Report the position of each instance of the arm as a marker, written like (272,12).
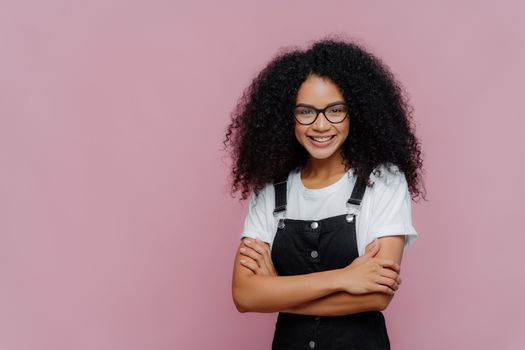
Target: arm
(256,290)
(266,293)
(391,214)
(341,303)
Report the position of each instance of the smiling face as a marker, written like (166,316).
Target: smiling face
(322,139)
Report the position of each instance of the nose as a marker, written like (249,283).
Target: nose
(321,123)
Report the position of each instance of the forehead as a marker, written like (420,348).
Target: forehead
(318,91)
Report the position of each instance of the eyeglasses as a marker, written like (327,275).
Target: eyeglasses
(335,113)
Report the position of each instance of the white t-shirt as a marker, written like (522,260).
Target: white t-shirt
(385,208)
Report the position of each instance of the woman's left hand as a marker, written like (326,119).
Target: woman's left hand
(260,261)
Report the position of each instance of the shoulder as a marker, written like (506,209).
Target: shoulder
(265,196)
(261,196)
(388,181)
(390,210)
(388,175)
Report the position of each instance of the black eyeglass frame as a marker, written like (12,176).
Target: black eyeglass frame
(323,110)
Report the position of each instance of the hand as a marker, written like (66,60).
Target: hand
(259,257)
(367,274)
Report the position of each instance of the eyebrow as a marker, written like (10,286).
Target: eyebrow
(328,105)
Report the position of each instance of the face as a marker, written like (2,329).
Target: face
(321,139)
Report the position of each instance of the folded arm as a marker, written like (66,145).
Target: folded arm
(342,303)
(266,293)
(254,288)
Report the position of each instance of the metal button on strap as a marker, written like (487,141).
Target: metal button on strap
(314,225)
(314,254)
(281,224)
(350,217)
(311,344)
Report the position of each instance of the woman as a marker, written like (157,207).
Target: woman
(323,141)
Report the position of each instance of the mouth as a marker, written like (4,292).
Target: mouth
(322,139)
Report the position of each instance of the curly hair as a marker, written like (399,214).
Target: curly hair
(261,138)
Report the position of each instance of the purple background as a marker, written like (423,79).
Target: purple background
(116,227)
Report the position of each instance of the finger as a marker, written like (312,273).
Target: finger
(260,252)
(261,248)
(386,272)
(248,241)
(266,256)
(391,283)
(373,248)
(267,261)
(255,245)
(250,264)
(391,264)
(250,253)
(265,246)
(397,278)
(382,289)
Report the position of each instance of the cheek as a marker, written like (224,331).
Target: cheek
(299,133)
(345,130)
(347,127)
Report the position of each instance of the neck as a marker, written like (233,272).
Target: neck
(324,168)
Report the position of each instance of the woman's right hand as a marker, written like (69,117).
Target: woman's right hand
(367,274)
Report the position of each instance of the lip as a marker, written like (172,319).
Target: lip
(321,144)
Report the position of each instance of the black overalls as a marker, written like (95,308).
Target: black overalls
(305,246)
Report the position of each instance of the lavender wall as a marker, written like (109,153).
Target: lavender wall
(116,227)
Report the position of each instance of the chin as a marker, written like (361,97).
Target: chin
(321,155)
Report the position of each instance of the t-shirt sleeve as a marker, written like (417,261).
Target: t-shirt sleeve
(256,223)
(391,210)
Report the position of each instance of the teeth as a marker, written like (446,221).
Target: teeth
(322,139)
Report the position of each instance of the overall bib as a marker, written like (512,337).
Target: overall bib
(305,246)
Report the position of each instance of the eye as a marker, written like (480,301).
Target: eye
(303,111)
(337,109)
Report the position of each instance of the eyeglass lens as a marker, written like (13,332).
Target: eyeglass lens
(334,114)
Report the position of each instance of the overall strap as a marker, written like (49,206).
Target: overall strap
(355,200)
(357,193)
(280,195)
(281,189)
